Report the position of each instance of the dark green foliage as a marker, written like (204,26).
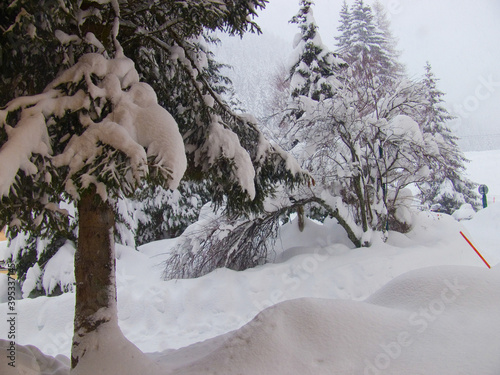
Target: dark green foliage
(177,62)
(315,65)
(168,43)
(166,40)
(31,54)
(26,258)
(164,213)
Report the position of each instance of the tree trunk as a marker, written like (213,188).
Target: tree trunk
(301,217)
(94,270)
(358,190)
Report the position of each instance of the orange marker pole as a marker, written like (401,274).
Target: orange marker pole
(477,252)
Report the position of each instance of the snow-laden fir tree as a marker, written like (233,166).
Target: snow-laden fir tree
(363,45)
(125,229)
(95,132)
(89,134)
(344,27)
(313,73)
(447,185)
(313,76)
(174,66)
(389,41)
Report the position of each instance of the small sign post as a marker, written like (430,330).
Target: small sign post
(483,189)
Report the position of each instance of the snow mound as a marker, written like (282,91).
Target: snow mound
(29,360)
(465,212)
(109,352)
(436,320)
(444,315)
(313,239)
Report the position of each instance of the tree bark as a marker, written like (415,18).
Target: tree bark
(358,189)
(301,217)
(94,270)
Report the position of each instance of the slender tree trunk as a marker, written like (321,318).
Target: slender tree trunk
(301,216)
(94,270)
(358,189)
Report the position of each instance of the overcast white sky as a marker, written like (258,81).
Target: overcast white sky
(460,38)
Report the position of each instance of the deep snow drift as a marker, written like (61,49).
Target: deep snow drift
(327,316)
(421,303)
(431,321)
(437,320)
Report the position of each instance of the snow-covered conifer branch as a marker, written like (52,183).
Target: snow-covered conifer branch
(223,142)
(113,110)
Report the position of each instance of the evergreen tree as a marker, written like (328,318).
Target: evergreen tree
(176,60)
(344,28)
(96,132)
(447,185)
(313,74)
(390,41)
(313,77)
(363,46)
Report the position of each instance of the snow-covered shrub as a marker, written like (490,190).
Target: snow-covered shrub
(465,212)
(220,240)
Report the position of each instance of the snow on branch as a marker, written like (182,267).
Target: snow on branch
(226,145)
(113,109)
(222,142)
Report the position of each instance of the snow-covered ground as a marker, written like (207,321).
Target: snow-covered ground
(421,303)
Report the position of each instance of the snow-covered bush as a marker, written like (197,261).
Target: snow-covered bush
(364,131)
(465,212)
(219,240)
